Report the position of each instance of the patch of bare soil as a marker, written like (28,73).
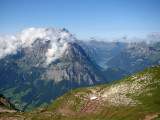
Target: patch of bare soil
(91,107)
(11,118)
(151,117)
(65,112)
(7,111)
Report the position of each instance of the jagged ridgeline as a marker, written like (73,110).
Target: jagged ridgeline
(133,98)
(47,64)
(137,56)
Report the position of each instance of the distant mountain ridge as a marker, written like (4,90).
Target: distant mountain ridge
(128,56)
(101,50)
(136,57)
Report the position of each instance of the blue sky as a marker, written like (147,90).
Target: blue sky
(84,18)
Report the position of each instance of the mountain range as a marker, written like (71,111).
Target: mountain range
(28,82)
(39,67)
(131,57)
(136,57)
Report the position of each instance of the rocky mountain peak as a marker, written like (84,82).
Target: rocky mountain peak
(49,29)
(27,74)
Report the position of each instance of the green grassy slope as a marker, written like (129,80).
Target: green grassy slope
(133,98)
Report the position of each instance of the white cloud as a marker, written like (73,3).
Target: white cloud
(124,38)
(59,42)
(8,45)
(153,37)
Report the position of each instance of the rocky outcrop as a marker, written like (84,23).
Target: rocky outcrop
(5,105)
